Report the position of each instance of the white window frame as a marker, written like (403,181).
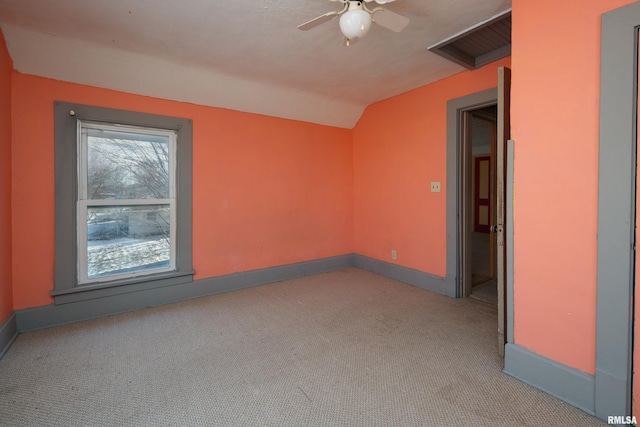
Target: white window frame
(84,202)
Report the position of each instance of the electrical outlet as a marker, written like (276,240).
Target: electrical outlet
(393,254)
(435,187)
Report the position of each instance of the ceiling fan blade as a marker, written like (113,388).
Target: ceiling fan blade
(380,1)
(389,20)
(319,20)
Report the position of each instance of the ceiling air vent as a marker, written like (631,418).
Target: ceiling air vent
(480,44)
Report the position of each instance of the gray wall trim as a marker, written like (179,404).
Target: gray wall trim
(616,211)
(509,236)
(52,315)
(127,287)
(567,384)
(65,128)
(454,203)
(407,275)
(8,333)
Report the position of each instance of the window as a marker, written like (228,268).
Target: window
(123,201)
(126,201)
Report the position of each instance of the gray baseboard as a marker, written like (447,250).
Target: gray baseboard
(407,275)
(8,333)
(575,387)
(53,315)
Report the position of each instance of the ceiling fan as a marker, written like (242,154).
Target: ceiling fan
(356,18)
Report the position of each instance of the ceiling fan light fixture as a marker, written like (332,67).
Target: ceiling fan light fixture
(355,23)
(356,19)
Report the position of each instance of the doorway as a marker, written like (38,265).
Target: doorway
(481,145)
(458,229)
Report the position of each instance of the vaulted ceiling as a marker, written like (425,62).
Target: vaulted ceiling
(245,55)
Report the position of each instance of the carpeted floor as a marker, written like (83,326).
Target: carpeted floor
(347,348)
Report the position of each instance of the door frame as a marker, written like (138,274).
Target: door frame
(455,195)
(454,220)
(467,209)
(616,211)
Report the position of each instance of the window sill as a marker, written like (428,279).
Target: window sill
(124,286)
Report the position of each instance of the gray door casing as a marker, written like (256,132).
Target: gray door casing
(616,211)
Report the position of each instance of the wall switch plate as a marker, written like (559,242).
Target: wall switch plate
(435,187)
(393,254)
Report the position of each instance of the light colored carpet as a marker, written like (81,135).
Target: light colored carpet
(347,348)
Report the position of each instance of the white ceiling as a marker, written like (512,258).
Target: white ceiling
(245,55)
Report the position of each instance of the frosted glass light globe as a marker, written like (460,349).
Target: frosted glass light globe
(355,23)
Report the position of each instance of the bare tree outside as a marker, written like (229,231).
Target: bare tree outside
(127,169)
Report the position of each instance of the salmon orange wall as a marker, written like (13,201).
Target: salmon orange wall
(555,116)
(266,191)
(399,148)
(6,67)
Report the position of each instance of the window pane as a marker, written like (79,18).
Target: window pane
(127,239)
(127,165)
